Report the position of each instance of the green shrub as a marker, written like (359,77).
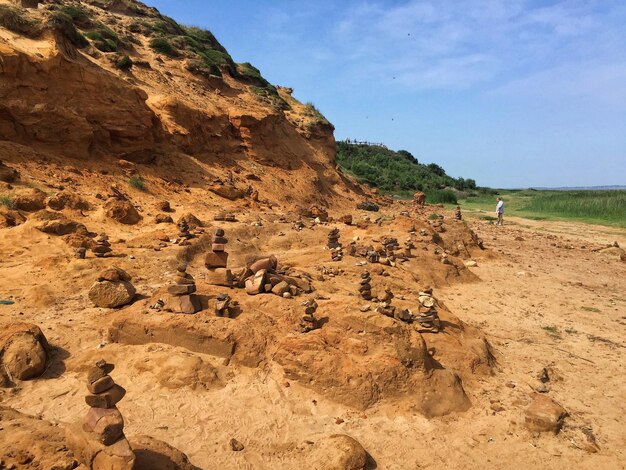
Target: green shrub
(104,38)
(124,63)
(6,201)
(438,196)
(16,20)
(64,24)
(200,67)
(137,182)
(163,46)
(78,15)
(433,216)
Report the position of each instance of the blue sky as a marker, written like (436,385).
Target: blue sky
(512,93)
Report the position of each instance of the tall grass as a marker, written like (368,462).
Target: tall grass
(440,196)
(594,205)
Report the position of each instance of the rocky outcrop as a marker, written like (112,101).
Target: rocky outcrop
(73,108)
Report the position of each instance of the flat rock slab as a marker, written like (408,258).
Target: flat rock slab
(544,415)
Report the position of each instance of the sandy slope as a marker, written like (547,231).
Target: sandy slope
(525,286)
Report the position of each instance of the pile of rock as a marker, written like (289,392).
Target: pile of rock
(112,288)
(408,246)
(216,261)
(333,239)
(224,305)
(261,275)
(183,298)
(365,286)
(385,306)
(183,232)
(103,247)
(309,322)
(428,317)
(100,442)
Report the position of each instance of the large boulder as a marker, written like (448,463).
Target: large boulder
(153,454)
(544,415)
(23,350)
(112,289)
(122,211)
(338,452)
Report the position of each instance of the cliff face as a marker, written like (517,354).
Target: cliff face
(98,81)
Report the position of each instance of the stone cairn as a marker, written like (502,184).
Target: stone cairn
(336,250)
(224,306)
(309,322)
(408,246)
(365,286)
(101,442)
(103,247)
(80,252)
(428,317)
(457,213)
(183,298)
(216,261)
(385,307)
(183,231)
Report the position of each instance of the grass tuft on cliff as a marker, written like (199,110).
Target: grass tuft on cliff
(17,20)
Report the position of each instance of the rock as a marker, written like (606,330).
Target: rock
(256,264)
(235,445)
(281,288)
(97,456)
(188,304)
(219,277)
(29,200)
(67,200)
(191,220)
(106,423)
(228,192)
(121,211)
(181,289)
(544,415)
(216,259)
(62,227)
(114,274)
(368,206)
(163,219)
(419,198)
(101,385)
(107,399)
(346,219)
(164,206)
(10,218)
(8,174)
(256,283)
(338,452)
(107,294)
(471,264)
(23,350)
(319,213)
(153,454)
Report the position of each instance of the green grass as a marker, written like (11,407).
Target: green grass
(597,207)
(16,20)
(138,183)
(124,63)
(7,202)
(104,38)
(164,46)
(438,196)
(553,331)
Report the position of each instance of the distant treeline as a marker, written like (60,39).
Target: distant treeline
(399,172)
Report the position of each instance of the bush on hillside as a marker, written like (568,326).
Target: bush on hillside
(64,24)
(163,46)
(16,20)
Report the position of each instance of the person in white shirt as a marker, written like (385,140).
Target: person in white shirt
(499,210)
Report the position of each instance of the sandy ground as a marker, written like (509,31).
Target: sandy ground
(543,301)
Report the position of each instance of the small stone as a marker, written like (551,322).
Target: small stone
(106,399)
(545,415)
(101,385)
(235,445)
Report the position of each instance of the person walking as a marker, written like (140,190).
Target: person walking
(499,210)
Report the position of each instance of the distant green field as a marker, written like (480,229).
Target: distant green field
(598,207)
